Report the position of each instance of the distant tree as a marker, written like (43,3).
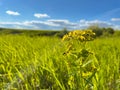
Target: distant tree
(110,30)
(96,29)
(62,33)
(101,31)
(1,29)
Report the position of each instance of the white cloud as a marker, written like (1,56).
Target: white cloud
(12,13)
(116,27)
(85,23)
(64,23)
(29,23)
(115,19)
(51,24)
(39,15)
(58,24)
(58,20)
(82,21)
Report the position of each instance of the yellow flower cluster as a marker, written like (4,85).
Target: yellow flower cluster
(81,35)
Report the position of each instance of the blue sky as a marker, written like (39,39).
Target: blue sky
(59,14)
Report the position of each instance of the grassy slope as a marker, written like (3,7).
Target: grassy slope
(5,31)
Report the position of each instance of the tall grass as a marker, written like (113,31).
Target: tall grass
(39,63)
(107,52)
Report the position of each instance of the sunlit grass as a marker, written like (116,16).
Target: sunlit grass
(39,63)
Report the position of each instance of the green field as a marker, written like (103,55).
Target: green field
(35,63)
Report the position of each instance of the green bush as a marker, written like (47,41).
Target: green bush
(102,31)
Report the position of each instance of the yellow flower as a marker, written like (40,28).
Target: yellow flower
(65,37)
(80,35)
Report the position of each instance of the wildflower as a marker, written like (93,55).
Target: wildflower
(79,35)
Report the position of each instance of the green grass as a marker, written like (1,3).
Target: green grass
(34,63)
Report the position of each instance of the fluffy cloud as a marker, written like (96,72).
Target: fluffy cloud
(63,23)
(58,24)
(85,23)
(39,15)
(13,25)
(40,24)
(51,24)
(12,13)
(115,19)
(116,27)
(30,24)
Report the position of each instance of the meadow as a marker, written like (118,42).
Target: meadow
(46,62)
